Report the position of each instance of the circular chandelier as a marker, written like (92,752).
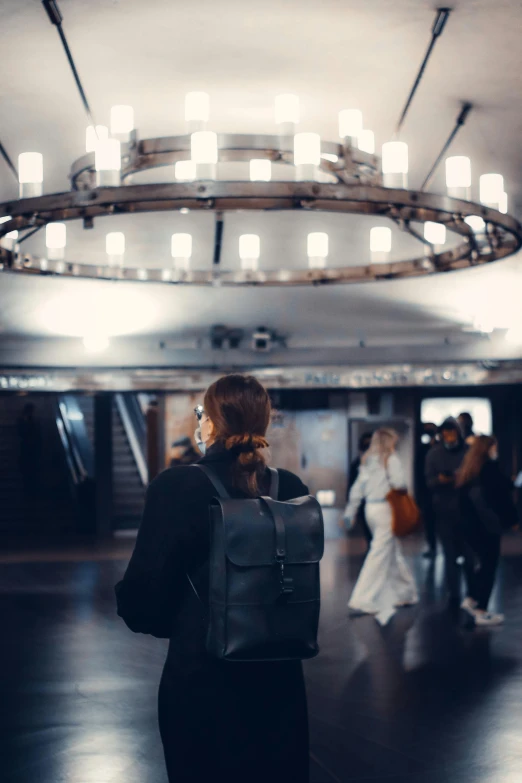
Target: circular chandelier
(344,177)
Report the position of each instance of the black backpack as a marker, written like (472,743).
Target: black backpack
(264,596)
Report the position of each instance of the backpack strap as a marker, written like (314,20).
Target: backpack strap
(274,484)
(218,484)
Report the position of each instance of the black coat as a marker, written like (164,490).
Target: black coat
(497,495)
(218,720)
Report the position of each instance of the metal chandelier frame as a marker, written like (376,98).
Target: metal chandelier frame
(356,188)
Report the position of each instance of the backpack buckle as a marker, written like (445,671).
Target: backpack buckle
(287,583)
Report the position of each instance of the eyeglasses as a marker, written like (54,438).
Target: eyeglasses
(199,411)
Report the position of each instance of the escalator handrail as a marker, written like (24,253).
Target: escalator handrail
(133,438)
(82,472)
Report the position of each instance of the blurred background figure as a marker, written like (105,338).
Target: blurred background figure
(360,519)
(465,422)
(30,454)
(385,581)
(183,452)
(442,462)
(487,511)
(427,441)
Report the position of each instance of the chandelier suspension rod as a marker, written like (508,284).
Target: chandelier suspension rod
(56,18)
(218,239)
(461,119)
(5,156)
(438,27)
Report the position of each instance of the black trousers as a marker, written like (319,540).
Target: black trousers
(430,527)
(450,534)
(235,723)
(482,556)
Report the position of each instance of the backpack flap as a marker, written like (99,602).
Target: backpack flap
(303,531)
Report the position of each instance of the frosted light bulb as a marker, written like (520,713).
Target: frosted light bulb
(30,174)
(435,233)
(317,249)
(395,164)
(307,155)
(55,240)
(181,251)
(185,170)
(491,189)
(260,170)
(380,243)
(115,248)
(249,251)
(204,153)
(107,161)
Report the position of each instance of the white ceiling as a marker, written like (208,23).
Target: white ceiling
(334,54)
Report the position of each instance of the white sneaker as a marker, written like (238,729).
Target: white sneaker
(487,618)
(469,605)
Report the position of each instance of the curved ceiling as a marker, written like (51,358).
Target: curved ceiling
(334,55)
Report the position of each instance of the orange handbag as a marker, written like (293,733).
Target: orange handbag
(405,512)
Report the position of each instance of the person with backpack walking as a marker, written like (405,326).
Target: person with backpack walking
(487,511)
(231,578)
(385,581)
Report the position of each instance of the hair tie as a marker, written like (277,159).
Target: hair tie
(246,442)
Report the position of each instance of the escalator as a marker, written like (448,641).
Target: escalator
(129,448)
(55,494)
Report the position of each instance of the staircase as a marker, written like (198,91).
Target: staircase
(128,489)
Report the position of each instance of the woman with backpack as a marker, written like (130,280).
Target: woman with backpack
(385,581)
(487,510)
(219,719)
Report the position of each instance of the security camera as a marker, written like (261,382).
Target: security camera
(235,337)
(262,340)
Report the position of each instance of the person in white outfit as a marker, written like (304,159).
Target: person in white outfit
(385,581)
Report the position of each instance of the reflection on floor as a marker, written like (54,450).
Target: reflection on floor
(419,700)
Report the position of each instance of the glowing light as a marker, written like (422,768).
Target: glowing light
(55,240)
(503,204)
(435,233)
(380,243)
(260,170)
(30,174)
(181,249)
(185,170)
(107,161)
(307,149)
(249,251)
(395,164)
(317,249)
(203,147)
(476,223)
(458,172)
(491,188)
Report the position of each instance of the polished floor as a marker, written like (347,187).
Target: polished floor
(421,699)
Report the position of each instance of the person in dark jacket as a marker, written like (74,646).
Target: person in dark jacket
(364,445)
(442,463)
(487,510)
(219,721)
(423,493)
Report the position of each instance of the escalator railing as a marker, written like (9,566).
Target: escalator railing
(134,423)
